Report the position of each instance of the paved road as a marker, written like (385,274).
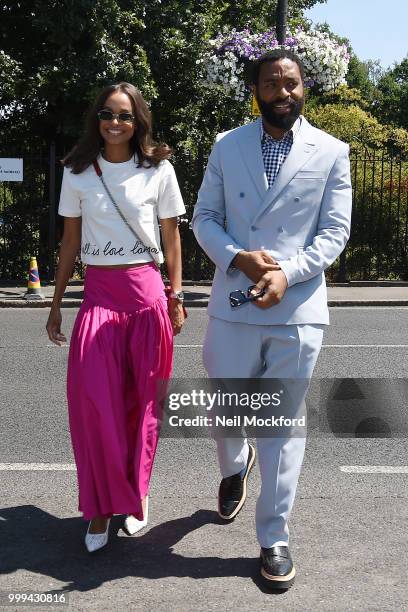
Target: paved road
(348,531)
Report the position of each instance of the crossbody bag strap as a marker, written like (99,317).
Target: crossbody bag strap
(120,213)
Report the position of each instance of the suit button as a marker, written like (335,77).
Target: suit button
(297,199)
(253,228)
(241,195)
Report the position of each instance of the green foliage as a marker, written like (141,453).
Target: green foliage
(186,114)
(346,96)
(65,52)
(10,71)
(58,53)
(349,123)
(378,246)
(393,88)
(363,77)
(344,114)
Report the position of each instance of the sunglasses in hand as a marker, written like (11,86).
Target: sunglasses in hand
(238,297)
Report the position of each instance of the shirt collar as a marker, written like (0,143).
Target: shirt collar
(294,130)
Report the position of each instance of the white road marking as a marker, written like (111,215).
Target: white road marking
(374,469)
(70,467)
(188,346)
(65,345)
(37,467)
(323,346)
(385,307)
(365,346)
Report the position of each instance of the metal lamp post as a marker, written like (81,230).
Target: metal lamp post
(281,20)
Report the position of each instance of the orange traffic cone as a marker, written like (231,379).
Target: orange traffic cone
(34,285)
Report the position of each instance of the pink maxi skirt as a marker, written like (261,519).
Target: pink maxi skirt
(121,348)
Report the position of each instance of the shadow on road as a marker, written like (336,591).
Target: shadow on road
(36,541)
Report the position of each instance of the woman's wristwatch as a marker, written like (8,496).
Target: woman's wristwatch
(177,295)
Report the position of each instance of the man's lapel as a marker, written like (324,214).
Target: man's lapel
(303,148)
(251,152)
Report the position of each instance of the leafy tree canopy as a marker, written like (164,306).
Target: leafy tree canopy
(393,102)
(358,127)
(57,53)
(60,53)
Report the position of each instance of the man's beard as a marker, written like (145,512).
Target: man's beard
(285,121)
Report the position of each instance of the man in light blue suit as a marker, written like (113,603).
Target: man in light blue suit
(273,210)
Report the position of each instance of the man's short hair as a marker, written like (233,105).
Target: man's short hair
(273,56)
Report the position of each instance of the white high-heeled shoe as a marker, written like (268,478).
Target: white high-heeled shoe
(132,525)
(95,541)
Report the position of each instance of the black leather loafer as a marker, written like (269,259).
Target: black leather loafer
(277,568)
(233,490)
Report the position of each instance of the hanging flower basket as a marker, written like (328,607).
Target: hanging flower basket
(223,65)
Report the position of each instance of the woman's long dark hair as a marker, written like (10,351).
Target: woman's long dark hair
(91,142)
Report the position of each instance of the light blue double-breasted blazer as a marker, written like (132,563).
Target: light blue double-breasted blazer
(303,220)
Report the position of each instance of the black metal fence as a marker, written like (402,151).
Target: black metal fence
(378,246)
(28,216)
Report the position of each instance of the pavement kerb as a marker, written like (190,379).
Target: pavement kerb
(358,293)
(69,303)
(348,303)
(196,303)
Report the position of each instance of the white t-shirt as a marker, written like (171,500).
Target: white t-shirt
(144,195)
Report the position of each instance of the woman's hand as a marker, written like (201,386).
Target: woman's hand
(53,326)
(172,250)
(71,242)
(176,315)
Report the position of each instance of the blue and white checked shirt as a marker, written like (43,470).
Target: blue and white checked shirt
(274,152)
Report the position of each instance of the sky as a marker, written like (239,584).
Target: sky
(377,29)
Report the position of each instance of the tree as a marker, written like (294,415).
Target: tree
(65,51)
(363,77)
(393,103)
(58,53)
(186,113)
(351,124)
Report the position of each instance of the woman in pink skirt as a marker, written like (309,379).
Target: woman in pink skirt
(117,185)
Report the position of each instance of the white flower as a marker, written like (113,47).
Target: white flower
(325,61)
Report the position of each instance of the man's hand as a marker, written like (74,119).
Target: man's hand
(275,285)
(254,264)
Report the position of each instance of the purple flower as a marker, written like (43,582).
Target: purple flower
(325,60)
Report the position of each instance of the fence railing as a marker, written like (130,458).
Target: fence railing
(28,217)
(377,249)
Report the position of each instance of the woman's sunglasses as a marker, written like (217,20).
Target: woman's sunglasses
(107,115)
